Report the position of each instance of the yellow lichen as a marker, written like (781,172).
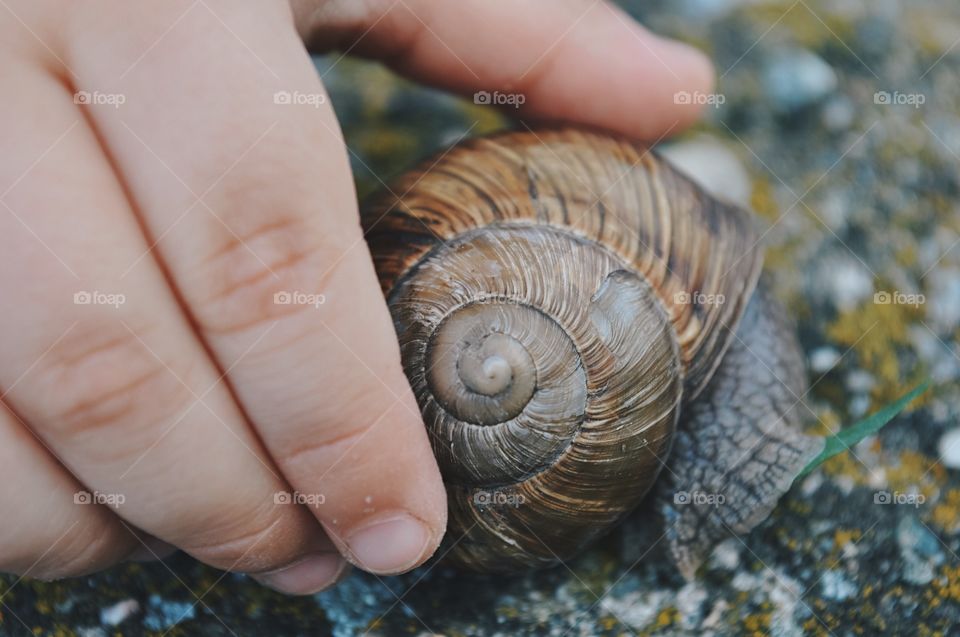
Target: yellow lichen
(667,617)
(874,331)
(843,537)
(947,584)
(757,624)
(946,514)
(609,623)
(763,200)
(916,473)
(845,464)
(801,24)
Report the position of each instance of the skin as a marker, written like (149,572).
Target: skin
(186,409)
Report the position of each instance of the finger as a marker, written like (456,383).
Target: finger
(577,60)
(115,380)
(51,530)
(321,380)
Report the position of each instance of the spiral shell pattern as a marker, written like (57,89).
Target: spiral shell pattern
(540,286)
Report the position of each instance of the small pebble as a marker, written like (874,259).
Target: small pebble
(163,615)
(116,614)
(920,551)
(848,281)
(943,299)
(712,165)
(690,600)
(838,114)
(795,78)
(726,555)
(949,449)
(835,586)
(823,359)
(811,484)
(835,209)
(859,406)
(716,614)
(859,381)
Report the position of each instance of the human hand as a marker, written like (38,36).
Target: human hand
(192,327)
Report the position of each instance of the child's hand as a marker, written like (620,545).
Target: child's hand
(191,325)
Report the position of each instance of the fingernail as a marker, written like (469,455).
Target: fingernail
(389,544)
(309,575)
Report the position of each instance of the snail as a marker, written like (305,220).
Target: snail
(582,325)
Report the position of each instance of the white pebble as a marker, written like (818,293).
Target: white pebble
(712,165)
(949,448)
(726,555)
(859,381)
(794,78)
(116,614)
(823,359)
(836,586)
(849,282)
(943,299)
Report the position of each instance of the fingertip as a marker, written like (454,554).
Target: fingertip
(696,74)
(391,543)
(672,83)
(310,574)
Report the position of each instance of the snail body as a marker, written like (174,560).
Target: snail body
(563,299)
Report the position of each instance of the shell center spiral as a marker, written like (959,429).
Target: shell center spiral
(479,373)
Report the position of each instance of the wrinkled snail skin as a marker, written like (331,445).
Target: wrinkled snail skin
(740,445)
(545,288)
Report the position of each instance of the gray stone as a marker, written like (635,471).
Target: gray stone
(713,165)
(823,359)
(943,299)
(920,551)
(836,586)
(117,613)
(794,78)
(949,448)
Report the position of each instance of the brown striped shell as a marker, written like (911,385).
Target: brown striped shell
(540,285)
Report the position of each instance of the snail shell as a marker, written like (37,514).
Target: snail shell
(544,287)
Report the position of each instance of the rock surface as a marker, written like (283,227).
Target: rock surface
(852,174)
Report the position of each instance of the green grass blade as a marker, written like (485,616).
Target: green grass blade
(855,433)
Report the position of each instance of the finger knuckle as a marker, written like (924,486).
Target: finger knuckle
(99,379)
(257,269)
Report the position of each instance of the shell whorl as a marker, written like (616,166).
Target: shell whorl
(539,285)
